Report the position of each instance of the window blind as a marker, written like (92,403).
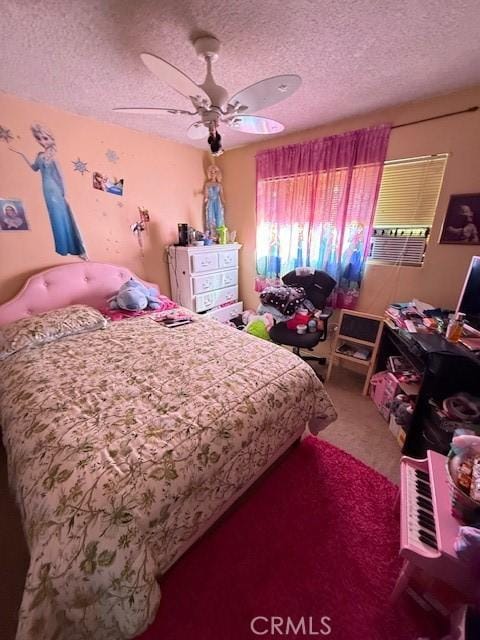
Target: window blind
(409,191)
(405,209)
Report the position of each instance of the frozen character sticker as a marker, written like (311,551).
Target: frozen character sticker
(109,185)
(66,234)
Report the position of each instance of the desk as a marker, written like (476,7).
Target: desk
(446,369)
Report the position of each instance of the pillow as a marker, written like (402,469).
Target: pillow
(47,327)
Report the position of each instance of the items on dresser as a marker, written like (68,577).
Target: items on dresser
(183,234)
(205,279)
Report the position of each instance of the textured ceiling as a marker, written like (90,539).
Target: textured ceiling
(355,56)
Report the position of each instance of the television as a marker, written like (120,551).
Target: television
(469,302)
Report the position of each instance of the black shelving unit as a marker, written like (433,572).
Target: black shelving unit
(445,368)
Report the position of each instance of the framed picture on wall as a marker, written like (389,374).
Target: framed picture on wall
(12,216)
(462,220)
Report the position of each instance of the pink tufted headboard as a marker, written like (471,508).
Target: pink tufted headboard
(74,283)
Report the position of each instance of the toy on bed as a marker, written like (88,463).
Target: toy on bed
(134,299)
(135,296)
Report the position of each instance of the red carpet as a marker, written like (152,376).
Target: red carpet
(317,537)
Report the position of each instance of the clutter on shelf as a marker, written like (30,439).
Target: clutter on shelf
(394,393)
(460,410)
(354,351)
(420,317)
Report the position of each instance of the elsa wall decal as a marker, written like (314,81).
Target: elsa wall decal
(64,228)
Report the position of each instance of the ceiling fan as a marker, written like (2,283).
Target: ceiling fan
(210,101)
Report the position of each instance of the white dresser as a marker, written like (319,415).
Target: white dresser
(205,279)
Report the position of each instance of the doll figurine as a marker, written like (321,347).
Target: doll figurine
(213,198)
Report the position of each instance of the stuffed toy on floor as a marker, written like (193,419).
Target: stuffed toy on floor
(258,325)
(135,296)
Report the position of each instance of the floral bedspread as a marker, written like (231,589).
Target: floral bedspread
(121,442)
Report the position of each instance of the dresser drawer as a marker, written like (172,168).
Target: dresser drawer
(225,314)
(227,259)
(204,262)
(206,301)
(201,284)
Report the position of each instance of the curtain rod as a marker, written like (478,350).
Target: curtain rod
(444,115)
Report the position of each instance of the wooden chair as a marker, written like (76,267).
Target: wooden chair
(357,329)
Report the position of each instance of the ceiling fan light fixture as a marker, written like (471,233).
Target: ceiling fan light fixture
(210,101)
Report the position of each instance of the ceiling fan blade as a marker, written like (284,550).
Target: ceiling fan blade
(266,93)
(173,77)
(197,131)
(255,124)
(153,111)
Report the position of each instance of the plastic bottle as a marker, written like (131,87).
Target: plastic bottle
(455,328)
(222,233)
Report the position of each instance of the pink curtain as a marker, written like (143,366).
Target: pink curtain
(315,206)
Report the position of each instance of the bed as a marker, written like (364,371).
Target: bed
(126,442)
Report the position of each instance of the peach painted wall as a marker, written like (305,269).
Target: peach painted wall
(439,280)
(165,177)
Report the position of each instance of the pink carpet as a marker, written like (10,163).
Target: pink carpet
(317,537)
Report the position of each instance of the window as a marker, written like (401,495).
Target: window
(405,209)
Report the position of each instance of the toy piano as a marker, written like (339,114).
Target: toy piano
(428,530)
